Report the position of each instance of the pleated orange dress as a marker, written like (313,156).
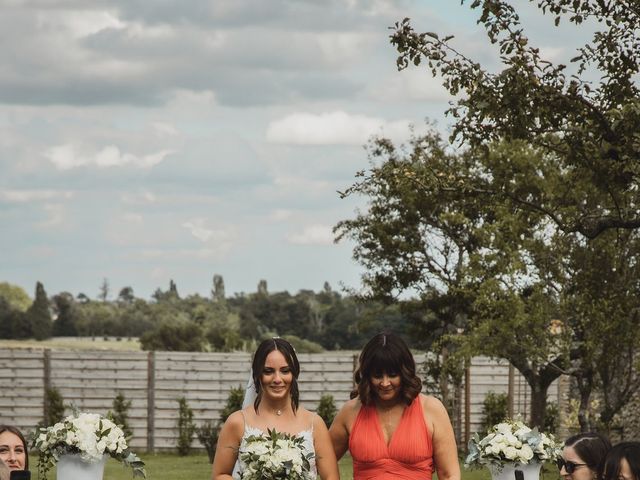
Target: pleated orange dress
(409,455)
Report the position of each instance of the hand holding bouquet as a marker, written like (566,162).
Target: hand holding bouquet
(274,455)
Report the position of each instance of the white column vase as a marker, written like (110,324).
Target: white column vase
(73,467)
(530,471)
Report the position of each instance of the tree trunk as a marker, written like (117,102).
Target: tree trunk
(585,386)
(538,405)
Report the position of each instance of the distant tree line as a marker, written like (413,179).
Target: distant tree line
(312,321)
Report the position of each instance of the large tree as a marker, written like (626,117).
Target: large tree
(586,117)
(476,265)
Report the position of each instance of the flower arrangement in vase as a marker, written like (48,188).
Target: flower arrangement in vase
(514,445)
(88,436)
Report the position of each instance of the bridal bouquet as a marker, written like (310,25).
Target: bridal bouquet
(88,434)
(511,442)
(274,455)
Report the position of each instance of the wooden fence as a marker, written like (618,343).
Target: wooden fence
(153,382)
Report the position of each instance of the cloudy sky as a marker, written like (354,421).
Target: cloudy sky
(143,141)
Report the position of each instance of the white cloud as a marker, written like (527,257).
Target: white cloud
(25,196)
(312,235)
(411,85)
(198,230)
(205,253)
(79,23)
(131,217)
(280,215)
(55,215)
(220,237)
(66,157)
(163,129)
(141,198)
(331,128)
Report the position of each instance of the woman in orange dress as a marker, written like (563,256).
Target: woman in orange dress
(391,429)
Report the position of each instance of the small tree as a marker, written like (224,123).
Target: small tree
(208,432)
(53,407)
(207,435)
(495,409)
(234,403)
(39,316)
(186,427)
(327,409)
(120,414)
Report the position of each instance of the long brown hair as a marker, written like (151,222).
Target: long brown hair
(386,353)
(257,366)
(18,433)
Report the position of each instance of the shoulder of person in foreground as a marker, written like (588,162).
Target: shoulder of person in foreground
(227,447)
(339,430)
(5,473)
(326,462)
(445,451)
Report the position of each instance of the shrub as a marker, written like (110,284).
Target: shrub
(551,418)
(327,409)
(234,403)
(120,414)
(207,435)
(186,427)
(208,432)
(54,407)
(495,409)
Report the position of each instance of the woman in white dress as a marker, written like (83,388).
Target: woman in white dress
(275,371)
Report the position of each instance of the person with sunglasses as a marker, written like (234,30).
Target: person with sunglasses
(582,456)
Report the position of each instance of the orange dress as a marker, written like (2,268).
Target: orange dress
(409,455)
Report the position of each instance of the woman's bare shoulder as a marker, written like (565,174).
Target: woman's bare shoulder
(431,404)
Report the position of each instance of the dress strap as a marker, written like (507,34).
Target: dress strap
(313,417)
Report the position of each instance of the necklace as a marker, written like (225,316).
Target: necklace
(278,412)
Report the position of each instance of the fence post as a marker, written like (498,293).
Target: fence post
(46,378)
(151,399)
(467,403)
(510,388)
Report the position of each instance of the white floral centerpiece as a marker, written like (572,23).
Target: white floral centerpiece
(89,435)
(274,455)
(511,442)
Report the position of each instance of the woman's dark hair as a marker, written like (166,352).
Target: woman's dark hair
(18,433)
(386,353)
(591,447)
(610,468)
(259,359)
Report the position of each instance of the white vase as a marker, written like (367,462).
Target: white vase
(73,467)
(530,471)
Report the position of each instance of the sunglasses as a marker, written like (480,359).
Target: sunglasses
(570,467)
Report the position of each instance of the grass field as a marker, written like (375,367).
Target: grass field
(75,343)
(166,466)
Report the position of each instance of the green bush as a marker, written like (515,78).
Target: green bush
(54,407)
(120,414)
(234,403)
(551,418)
(495,409)
(327,409)
(208,432)
(207,435)
(186,427)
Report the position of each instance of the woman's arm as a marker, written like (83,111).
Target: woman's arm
(445,451)
(227,447)
(325,456)
(339,430)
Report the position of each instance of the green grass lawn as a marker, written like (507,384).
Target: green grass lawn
(76,343)
(166,466)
